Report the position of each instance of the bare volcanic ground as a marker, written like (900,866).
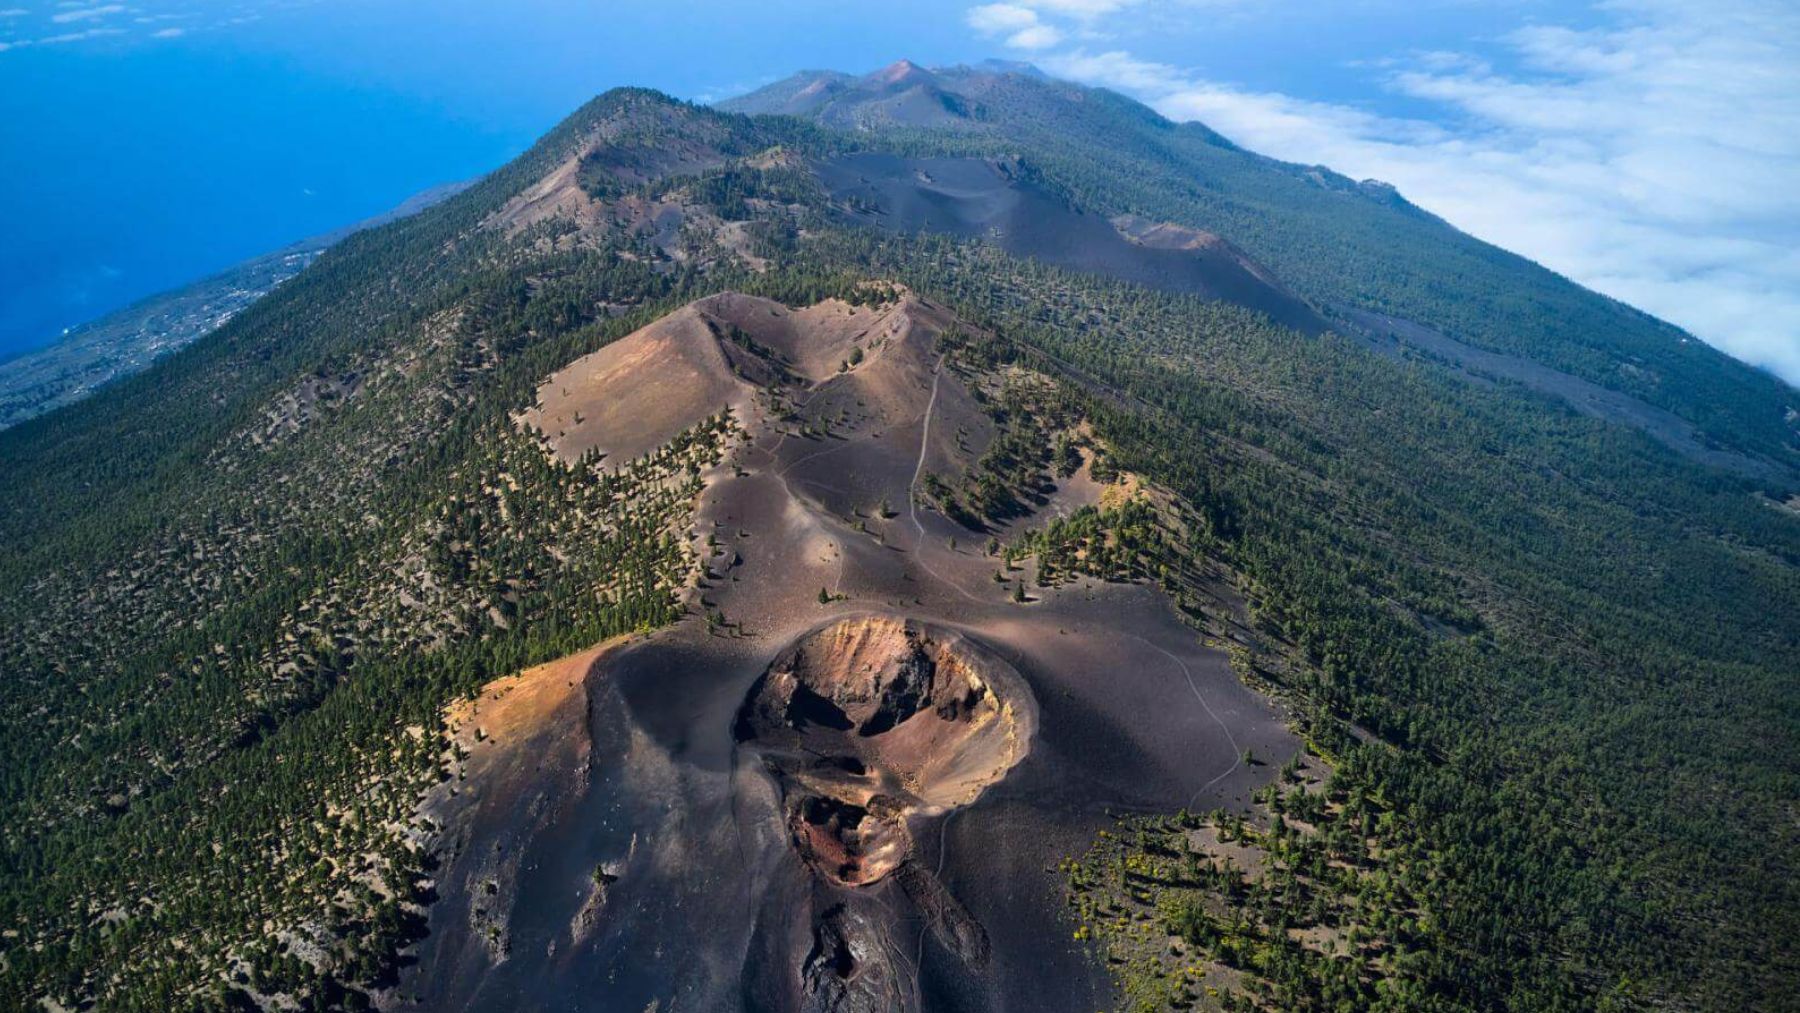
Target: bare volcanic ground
(637,393)
(1398,339)
(849,805)
(999,201)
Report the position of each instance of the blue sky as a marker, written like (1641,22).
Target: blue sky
(1647,148)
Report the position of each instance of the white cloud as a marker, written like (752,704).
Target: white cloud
(91,33)
(1018,23)
(1653,159)
(1093,19)
(995,19)
(86,13)
(1082,8)
(1035,37)
(168,33)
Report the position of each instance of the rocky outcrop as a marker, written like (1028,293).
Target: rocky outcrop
(872,720)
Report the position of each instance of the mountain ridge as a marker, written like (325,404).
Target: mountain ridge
(1221,205)
(1351,670)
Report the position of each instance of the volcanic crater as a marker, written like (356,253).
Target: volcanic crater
(872,720)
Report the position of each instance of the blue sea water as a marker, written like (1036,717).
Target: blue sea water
(178,137)
(127,170)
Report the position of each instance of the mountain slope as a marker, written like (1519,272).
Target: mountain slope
(1338,242)
(126,341)
(1000,201)
(389,689)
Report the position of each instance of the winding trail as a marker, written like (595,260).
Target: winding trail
(912,487)
(791,465)
(1188,674)
(912,503)
(912,490)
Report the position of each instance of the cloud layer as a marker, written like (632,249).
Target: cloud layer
(1017,23)
(67,21)
(1655,158)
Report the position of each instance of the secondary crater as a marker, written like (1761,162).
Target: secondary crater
(874,719)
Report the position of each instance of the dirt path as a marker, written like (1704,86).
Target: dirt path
(912,487)
(1188,674)
(912,492)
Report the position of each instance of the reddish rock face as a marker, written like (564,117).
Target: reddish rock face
(872,720)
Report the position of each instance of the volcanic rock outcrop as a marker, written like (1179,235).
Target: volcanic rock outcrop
(875,719)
